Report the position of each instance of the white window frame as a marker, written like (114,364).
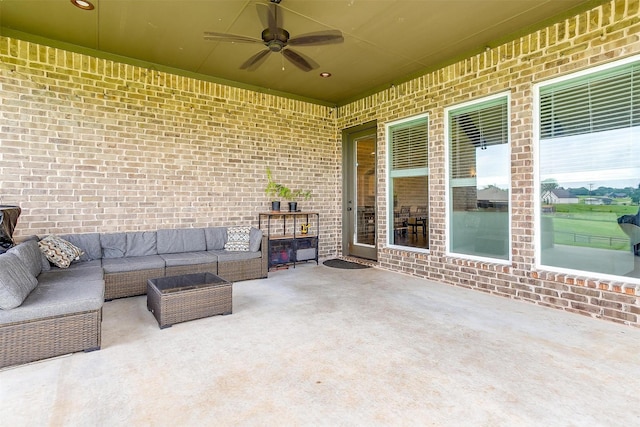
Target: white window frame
(536,173)
(390,176)
(447,154)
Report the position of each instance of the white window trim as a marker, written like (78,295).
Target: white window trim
(507,95)
(537,232)
(389,196)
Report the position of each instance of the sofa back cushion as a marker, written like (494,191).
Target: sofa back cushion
(255,239)
(30,254)
(46,265)
(180,240)
(88,242)
(16,282)
(141,243)
(114,245)
(216,237)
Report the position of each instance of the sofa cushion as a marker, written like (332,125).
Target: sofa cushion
(255,239)
(136,263)
(141,243)
(16,282)
(216,237)
(46,265)
(238,238)
(226,256)
(88,242)
(189,258)
(114,245)
(29,253)
(82,271)
(181,240)
(57,295)
(59,251)
(44,262)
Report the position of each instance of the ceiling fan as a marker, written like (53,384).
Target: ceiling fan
(276,39)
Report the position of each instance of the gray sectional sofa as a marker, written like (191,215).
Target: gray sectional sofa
(47,311)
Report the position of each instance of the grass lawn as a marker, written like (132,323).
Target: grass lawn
(594,226)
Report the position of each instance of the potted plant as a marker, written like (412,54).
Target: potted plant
(274,190)
(293,196)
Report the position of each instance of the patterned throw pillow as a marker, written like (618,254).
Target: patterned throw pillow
(59,251)
(238,238)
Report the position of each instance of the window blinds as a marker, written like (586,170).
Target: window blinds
(409,144)
(599,102)
(476,126)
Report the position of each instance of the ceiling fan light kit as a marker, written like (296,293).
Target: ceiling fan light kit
(276,39)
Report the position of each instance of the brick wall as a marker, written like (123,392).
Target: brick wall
(93,145)
(605,33)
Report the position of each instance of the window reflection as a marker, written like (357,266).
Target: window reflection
(590,190)
(479,179)
(411,220)
(409,182)
(365,191)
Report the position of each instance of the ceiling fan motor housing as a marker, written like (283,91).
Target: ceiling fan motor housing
(276,39)
(275,42)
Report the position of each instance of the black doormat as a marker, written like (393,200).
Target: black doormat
(340,263)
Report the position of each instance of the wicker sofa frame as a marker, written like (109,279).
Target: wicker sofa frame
(133,283)
(28,341)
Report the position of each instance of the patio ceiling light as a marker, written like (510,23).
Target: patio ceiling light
(83,4)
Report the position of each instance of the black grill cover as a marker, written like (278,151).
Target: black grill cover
(8,219)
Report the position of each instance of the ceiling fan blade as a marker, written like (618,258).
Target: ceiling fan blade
(222,37)
(254,62)
(322,37)
(300,61)
(269,16)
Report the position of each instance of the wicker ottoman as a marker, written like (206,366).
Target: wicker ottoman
(176,299)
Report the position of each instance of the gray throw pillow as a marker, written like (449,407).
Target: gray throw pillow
(16,282)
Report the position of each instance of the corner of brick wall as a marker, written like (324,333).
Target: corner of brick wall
(605,33)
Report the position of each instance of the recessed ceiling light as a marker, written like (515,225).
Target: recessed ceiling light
(83,4)
(325,74)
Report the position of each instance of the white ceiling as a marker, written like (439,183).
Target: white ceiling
(385,41)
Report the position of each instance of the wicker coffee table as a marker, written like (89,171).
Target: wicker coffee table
(176,299)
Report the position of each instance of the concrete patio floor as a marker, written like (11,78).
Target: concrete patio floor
(321,346)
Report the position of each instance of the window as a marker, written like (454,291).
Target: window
(589,171)
(479,178)
(408,206)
